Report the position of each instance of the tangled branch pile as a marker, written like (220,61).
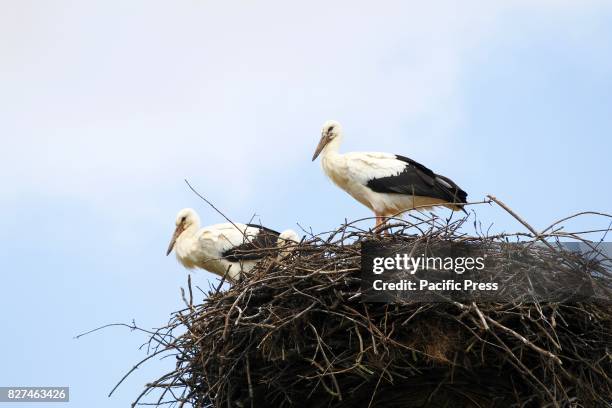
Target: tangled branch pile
(294,333)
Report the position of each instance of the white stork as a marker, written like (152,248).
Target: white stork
(287,243)
(388,184)
(219,248)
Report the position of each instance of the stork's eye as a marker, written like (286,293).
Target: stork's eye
(183,219)
(330,129)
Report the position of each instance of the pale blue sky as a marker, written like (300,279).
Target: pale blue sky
(105,106)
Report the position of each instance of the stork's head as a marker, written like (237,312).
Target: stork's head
(185,219)
(287,243)
(287,237)
(331,131)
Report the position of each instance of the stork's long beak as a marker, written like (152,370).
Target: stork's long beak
(179,229)
(324,141)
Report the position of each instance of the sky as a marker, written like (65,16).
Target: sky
(107,106)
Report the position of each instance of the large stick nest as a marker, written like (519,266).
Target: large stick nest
(294,332)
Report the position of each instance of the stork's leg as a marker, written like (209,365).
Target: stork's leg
(380,221)
(383,221)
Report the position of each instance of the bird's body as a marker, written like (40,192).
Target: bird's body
(215,248)
(229,248)
(386,183)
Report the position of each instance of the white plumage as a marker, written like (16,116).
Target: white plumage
(219,248)
(287,242)
(386,183)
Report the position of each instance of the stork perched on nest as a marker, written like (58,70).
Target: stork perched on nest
(286,243)
(386,183)
(221,248)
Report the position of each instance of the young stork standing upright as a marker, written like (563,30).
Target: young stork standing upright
(388,184)
(220,248)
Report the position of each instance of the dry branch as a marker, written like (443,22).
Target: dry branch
(293,332)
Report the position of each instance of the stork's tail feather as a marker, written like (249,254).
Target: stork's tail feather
(457,196)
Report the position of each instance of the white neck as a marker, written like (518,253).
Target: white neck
(189,232)
(333,147)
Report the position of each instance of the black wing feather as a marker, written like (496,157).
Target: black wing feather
(419,180)
(266,238)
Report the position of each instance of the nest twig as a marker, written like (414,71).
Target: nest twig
(294,332)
